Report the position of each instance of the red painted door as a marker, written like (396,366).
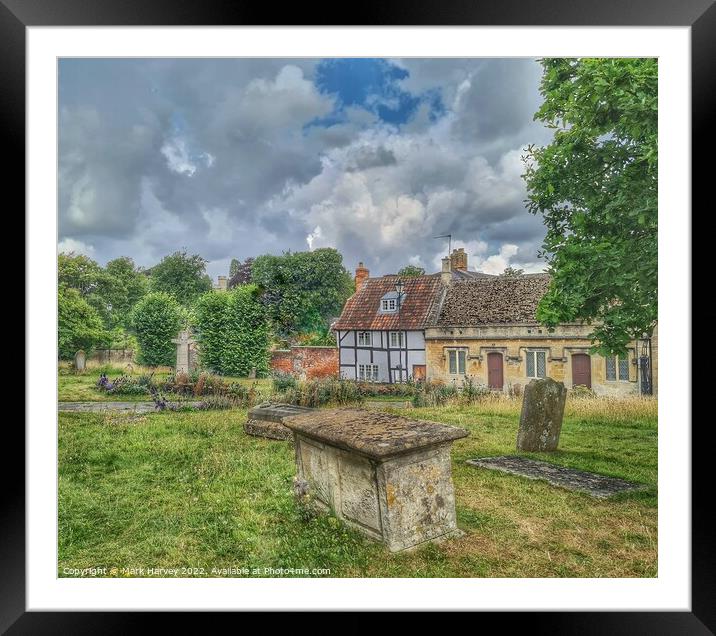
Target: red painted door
(494,370)
(581,370)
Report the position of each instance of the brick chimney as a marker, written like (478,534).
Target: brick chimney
(362,274)
(458,259)
(446,274)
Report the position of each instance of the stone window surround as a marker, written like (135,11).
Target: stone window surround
(446,355)
(547,358)
(631,361)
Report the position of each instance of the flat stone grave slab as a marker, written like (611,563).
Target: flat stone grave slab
(388,476)
(593,484)
(266,420)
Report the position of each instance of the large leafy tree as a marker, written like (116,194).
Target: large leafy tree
(595,186)
(122,286)
(79,324)
(302,289)
(181,275)
(240,272)
(111,290)
(79,272)
(234,266)
(411,270)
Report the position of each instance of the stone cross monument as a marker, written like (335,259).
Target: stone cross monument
(183,341)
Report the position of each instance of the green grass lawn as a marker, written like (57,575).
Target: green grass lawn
(180,490)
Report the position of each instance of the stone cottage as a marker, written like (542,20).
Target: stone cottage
(473,325)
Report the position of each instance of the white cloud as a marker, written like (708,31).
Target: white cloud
(314,236)
(68,245)
(264,107)
(415,260)
(177,155)
(497,263)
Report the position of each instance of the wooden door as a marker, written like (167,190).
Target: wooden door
(581,370)
(418,372)
(494,370)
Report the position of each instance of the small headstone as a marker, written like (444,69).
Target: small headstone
(183,341)
(541,417)
(80,360)
(252,373)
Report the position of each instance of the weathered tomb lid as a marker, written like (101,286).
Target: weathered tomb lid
(371,433)
(276,412)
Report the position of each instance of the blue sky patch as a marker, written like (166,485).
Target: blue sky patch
(372,84)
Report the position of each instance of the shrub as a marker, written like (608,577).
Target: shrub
(233,332)
(226,401)
(123,385)
(205,384)
(283,381)
(432,393)
(79,325)
(314,393)
(156,320)
(399,389)
(581,391)
(210,321)
(471,391)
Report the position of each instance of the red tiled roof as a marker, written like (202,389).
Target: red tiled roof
(362,310)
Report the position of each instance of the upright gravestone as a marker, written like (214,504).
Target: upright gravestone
(80,360)
(541,417)
(183,341)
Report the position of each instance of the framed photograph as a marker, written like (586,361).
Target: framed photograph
(358,317)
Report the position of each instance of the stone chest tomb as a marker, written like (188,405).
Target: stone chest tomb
(266,420)
(388,476)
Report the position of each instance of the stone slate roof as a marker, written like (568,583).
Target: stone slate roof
(418,308)
(465,274)
(491,300)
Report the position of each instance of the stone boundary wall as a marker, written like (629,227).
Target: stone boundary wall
(306,363)
(112,356)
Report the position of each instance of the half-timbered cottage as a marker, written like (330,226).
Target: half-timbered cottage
(381,331)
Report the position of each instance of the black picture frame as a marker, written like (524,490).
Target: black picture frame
(700,15)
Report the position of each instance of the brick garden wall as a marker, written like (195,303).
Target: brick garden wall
(306,362)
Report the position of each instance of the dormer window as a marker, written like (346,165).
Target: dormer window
(389,302)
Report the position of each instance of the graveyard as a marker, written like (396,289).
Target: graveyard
(193,490)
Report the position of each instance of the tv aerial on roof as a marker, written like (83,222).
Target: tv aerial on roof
(449,238)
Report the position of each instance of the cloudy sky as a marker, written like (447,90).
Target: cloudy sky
(231,158)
